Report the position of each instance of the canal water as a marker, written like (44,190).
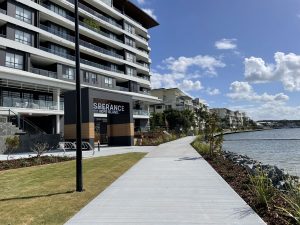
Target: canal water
(280,147)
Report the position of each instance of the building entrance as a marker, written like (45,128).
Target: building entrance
(117,129)
(101,130)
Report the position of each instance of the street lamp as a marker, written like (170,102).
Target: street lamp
(79,183)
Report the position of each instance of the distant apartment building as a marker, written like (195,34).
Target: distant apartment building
(37,63)
(172,98)
(233,119)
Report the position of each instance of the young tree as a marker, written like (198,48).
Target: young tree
(213,134)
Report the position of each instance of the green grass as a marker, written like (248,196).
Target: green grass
(45,194)
(201,147)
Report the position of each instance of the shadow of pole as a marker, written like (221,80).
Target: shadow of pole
(37,196)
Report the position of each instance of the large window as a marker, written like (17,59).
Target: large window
(58,10)
(130,71)
(23,15)
(13,60)
(86,77)
(129,41)
(23,37)
(94,78)
(130,57)
(68,73)
(108,82)
(129,28)
(58,50)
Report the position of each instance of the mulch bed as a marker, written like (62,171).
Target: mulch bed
(238,178)
(33,161)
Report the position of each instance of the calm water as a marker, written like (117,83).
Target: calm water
(279,147)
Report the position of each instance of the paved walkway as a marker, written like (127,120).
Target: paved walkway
(172,185)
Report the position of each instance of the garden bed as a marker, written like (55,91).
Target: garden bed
(240,180)
(32,161)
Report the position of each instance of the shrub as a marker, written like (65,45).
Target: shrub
(201,147)
(12,143)
(40,148)
(292,198)
(262,187)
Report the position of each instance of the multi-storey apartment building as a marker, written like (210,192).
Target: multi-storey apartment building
(172,98)
(234,119)
(37,64)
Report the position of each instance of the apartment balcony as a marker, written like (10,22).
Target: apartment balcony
(143,65)
(45,73)
(3,11)
(99,15)
(122,88)
(112,37)
(140,112)
(30,104)
(58,33)
(83,61)
(83,43)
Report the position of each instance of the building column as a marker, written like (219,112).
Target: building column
(56,99)
(57,124)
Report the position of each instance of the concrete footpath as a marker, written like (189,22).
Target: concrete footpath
(171,185)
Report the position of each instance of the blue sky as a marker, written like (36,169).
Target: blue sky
(238,54)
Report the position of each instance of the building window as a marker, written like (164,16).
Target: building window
(130,71)
(14,61)
(130,57)
(23,37)
(58,50)
(129,28)
(68,73)
(58,10)
(23,15)
(129,41)
(108,82)
(86,77)
(94,78)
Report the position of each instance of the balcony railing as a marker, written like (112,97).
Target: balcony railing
(139,112)
(3,11)
(99,49)
(44,72)
(28,103)
(83,61)
(99,15)
(65,16)
(100,32)
(83,43)
(57,33)
(143,65)
(123,88)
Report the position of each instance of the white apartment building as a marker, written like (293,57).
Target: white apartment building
(234,119)
(172,98)
(37,63)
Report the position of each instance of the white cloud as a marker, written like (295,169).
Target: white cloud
(243,91)
(212,91)
(286,69)
(141,2)
(150,12)
(226,44)
(189,85)
(182,64)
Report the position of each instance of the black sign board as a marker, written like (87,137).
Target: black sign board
(110,107)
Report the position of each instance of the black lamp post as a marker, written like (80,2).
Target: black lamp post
(79,183)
